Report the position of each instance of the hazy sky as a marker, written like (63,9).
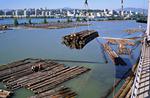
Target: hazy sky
(96,4)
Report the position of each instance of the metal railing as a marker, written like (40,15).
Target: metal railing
(135,86)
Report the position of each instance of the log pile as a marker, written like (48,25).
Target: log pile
(38,75)
(80,39)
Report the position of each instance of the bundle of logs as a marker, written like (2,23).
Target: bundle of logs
(80,39)
(38,75)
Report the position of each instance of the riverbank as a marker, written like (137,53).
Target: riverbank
(55,25)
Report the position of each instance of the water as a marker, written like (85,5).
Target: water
(44,43)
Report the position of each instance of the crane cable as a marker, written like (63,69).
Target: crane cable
(86,6)
(84,81)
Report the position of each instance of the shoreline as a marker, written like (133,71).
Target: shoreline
(53,25)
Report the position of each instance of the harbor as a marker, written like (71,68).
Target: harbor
(51,48)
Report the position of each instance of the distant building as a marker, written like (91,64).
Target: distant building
(59,13)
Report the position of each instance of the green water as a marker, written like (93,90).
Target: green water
(43,43)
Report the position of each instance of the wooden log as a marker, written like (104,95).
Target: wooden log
(43,78)
(14,64)
(49,80)
(32,76)
(39,75)
(64,78)
(38,79)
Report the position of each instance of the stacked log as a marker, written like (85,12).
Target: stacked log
(80,39)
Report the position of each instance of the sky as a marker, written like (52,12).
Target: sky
(93,4)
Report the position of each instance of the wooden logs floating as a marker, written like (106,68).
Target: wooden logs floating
(123,50)
(48,76)
(116,59)
(120,41)
(122,45)
(80,39)
(59,92)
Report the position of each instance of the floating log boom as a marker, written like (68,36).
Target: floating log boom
(40,76)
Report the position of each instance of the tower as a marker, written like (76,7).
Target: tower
(122,8)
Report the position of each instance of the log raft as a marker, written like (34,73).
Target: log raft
(40,76)
(116,59)
(80,39)
(59,92)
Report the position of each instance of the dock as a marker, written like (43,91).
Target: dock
(80,39)
(116,59)
(38,75)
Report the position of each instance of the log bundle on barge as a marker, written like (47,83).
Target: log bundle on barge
(80,39)
(38,75)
